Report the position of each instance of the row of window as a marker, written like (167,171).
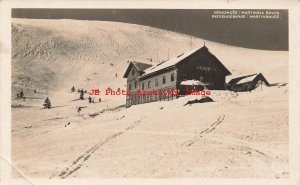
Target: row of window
(172,78)
(133,99)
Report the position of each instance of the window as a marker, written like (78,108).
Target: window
(129,86)
(143,86)
(172,77)
(164,79)
(156,82)
(149,84)
(135,84)
(133,72)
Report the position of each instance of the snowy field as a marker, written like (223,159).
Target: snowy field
(240,135)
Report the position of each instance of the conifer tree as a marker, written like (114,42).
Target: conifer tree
(81,94)
(21,94)
(47,103)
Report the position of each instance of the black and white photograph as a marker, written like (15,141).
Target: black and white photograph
(150,93)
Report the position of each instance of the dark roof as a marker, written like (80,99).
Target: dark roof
(138,65)
(141,66)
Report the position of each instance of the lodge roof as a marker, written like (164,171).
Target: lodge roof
(169,63)
(141,66)
(138,65)
(148,69)
(172,62)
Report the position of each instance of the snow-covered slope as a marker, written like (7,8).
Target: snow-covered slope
(59,53)
(240,135)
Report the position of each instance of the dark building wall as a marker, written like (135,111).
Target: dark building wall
(248,86)
(203,67)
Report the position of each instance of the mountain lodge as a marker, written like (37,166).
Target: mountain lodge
(196,65)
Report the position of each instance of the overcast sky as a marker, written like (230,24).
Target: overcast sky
(268,34)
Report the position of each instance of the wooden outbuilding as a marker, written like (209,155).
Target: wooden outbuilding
(247,82)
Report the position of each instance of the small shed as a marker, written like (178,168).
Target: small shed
(189,85)
(247,82)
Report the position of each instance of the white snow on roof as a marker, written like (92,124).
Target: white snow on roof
(234,76)
(247,79)
(192,82)
(169,63)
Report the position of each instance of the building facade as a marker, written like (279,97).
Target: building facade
(166,77)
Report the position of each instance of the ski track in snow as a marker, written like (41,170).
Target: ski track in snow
(76,165)
(245,147)
(212,127)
